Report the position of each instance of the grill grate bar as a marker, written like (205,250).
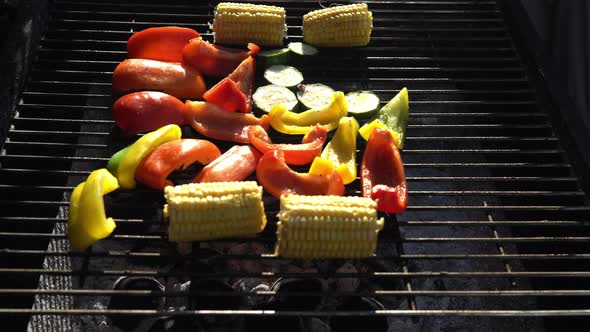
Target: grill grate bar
(417,116)
(408,152)
(124,34)
(273,313)
(424,293)
(410,126)
(125,14)
(413,179)
(416,192)
(380,70)
(368,49)
(373,2)
(424,223)
(413,192)
(364,275)
(121,237)
(414,91)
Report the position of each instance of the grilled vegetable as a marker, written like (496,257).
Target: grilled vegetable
(241,23)
(204,211)
(327,227)
(301,123)
(140,112)
(212,121)
(268,58)
(181,153)
(366,130)
(215,60)
(295,154)
(302,49)
(314,96)
(362,104)
(278,179)
(348,25)
(234,93)
(341,150)
(235,164)
(115,161)
(160,43)
(87,221)
(140,149)
(270,95)
(227,95)
(382,173)
(321,166)
(394,116)
(172,78)
(286,76)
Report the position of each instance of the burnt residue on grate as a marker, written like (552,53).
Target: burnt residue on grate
(496,214)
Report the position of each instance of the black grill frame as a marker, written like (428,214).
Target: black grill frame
(477,134)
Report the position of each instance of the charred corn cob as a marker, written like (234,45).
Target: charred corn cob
(203,211)
(327,227)
(348,25)
(241,23)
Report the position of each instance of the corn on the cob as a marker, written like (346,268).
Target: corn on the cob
(203,211)
(327,227)
(348,25)
(241,23)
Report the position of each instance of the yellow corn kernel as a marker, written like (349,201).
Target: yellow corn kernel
(242,23)
(348,25)
(204,211)
(327,227)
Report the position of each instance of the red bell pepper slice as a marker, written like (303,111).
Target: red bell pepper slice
(227,95)
(382,173)
(172,78)
(295,154)
(244,76)
(278,179)
(155,168)
(213,121)
(214,60)
(145,111)
(235,164)
(160,43)
(235,91)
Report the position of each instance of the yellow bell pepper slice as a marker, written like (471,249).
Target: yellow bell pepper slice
(321,166)
(341,150)
(367,129)
(301,123)
(140,149)
(87,221)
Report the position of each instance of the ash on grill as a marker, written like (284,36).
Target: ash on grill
(251,289)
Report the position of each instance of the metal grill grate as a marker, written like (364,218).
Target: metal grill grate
(497,222)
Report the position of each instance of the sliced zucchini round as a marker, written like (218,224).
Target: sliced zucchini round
(302,49)
(314,96)
(362,104)
(286,76)
(268,58)
(270,95)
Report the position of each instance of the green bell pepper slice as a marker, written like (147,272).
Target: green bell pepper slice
(124,163)
(113,165)
(394,116)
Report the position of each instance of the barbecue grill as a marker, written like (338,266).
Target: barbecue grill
(495,236)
